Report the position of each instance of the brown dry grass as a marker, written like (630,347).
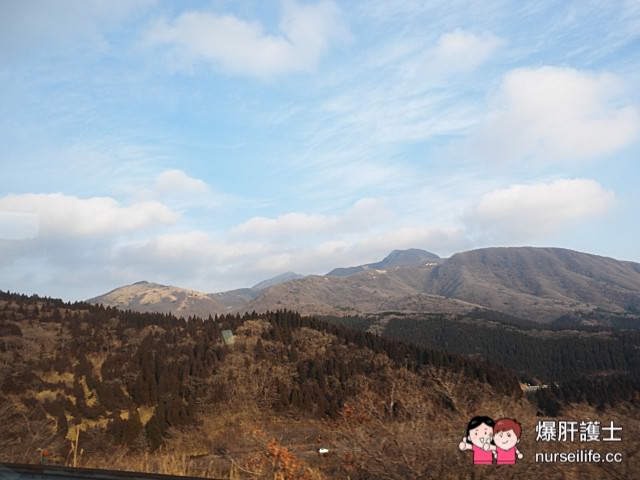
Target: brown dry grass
(162,462)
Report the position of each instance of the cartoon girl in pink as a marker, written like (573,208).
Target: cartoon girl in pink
(506,435)
(478,438)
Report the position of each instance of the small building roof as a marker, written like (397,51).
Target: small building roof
(227,337)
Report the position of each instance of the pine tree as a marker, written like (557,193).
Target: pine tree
(259,352)
(154,433)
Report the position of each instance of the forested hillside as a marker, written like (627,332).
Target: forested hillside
(154,392)
(552,355)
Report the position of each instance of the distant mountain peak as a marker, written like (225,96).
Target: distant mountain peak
(145,296)
(281,278)
(411,257)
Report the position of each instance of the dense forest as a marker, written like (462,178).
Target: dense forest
(604,363)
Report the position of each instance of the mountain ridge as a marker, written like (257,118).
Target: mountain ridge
(397,258)
(283,277)
(534,283)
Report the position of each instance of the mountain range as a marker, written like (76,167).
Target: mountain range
(537,284)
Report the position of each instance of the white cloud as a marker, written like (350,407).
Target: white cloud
(38,23)
(402,93)
(528,211)
(192,249)
(69,216)
(426,65)
(364,214)
(463,51)
(275,263)
(306,32)
(18,226)
(551,114)
(176,189)
(171,181)
(285,224)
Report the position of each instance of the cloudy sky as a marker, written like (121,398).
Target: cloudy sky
(211,145)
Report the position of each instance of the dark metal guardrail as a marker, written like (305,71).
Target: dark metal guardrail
(16,471)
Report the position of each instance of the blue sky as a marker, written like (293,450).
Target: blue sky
(211,145)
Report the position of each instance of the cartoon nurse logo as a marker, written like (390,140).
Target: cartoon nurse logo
(478,438)
(489,440)
(506,435)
